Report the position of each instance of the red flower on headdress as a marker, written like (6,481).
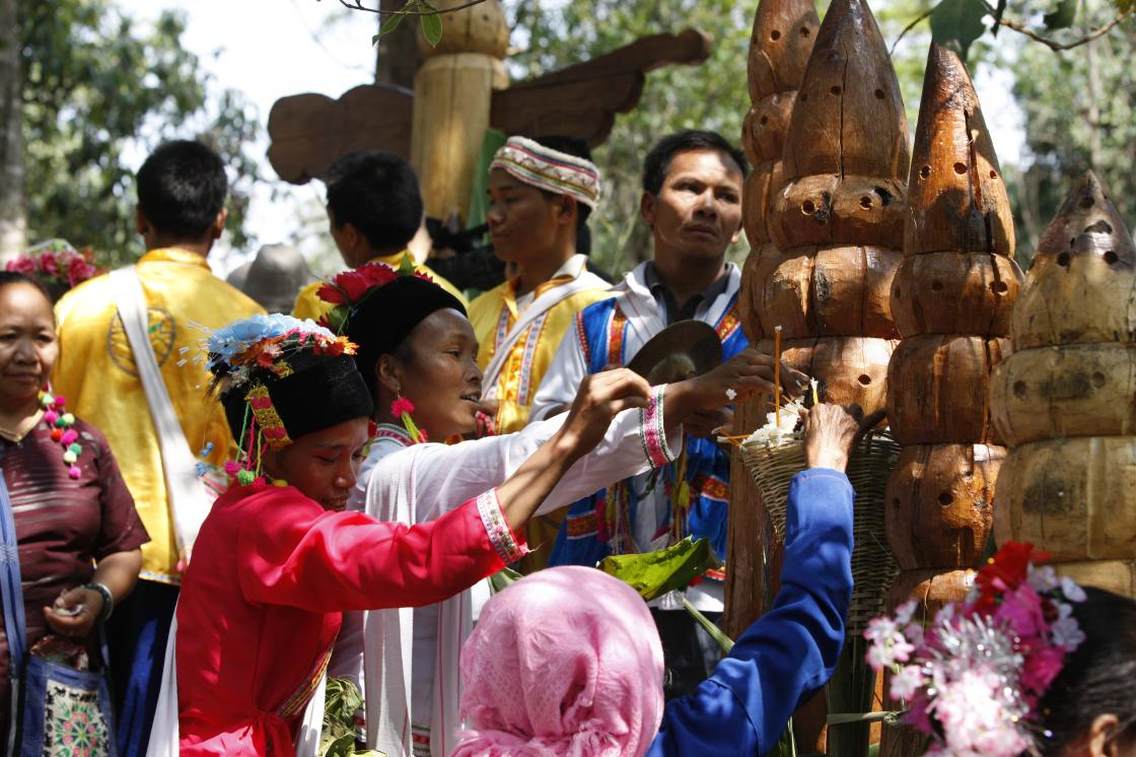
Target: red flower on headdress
(1005,572)
(349,287)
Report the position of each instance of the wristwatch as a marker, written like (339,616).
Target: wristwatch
(108,598)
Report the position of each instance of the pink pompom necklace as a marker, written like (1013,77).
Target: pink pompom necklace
(61,422)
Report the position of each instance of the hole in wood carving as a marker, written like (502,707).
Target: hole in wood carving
(885,196)
(808,207)
(1000,287)
(960,168)
(864,379)
(1020,389)
(775,35)
(1063,259)
(835,90)
(805,31)
(945,498)
(1098,379)
(879,94)
(763,120)
(936,286)
(895,502)
(993,174)
(1072,242)
(1110,257)
(803,97)
(1100,227)
(925,171)
(898,293)
(1087,201)
(866,202)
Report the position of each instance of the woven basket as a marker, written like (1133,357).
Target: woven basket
(773,464)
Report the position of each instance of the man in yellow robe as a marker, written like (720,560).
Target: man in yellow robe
(181,212)
(540,196)
(374,207)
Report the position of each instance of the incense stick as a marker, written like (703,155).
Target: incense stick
(776,370)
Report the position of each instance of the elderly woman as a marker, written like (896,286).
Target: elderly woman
(568,662)
(75,527)
(417,352)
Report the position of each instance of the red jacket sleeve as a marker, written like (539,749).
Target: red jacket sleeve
(292,552)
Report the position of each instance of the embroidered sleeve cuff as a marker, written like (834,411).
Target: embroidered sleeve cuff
(509,547)
(652,433)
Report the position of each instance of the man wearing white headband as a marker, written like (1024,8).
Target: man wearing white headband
(540,195)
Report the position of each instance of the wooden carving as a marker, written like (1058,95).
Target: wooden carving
(782,38)
(951,298)
(836,224)
(460,90)
(1066,399)
(1082,284)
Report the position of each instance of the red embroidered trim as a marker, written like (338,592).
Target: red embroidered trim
(615,337)
(497,529)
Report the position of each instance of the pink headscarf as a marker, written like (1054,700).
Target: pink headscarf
(565,662)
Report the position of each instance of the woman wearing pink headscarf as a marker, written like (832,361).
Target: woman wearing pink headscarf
(567,661)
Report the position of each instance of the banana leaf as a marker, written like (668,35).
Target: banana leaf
(337,739)
(502,579)
(653,574)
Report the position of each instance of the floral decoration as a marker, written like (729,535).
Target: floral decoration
(56,264)
(265,342)
(347,289)
(402,408)
(974,678)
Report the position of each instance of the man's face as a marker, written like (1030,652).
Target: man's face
(523,221)
(698,211)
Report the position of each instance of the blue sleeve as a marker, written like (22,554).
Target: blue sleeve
(791,650)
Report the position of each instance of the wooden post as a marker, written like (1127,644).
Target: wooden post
(452,97)
(779,47)
(1064,400)
(951,299)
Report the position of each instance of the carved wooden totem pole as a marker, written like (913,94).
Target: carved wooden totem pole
(952,300)
(1066,400)
(783,35)
(836,224)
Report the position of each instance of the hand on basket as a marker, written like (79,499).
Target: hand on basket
(830,431)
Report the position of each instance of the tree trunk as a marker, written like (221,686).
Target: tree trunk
(13,218)
(396,55)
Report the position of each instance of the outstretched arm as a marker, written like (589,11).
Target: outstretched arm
(792,649)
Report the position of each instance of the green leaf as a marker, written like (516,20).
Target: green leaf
(1062,16)
(653,574)
(957,23)
(503,579)
(719,637)
(432,28)
(389,24)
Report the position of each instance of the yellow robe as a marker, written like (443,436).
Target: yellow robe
(309,305)
(493,315)
(96,375)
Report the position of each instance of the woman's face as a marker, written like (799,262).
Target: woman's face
(323,464)
(28,346)
(437,371)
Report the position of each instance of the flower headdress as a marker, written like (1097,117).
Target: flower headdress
(974,678)
(347,290)
(248,356)
(55,264)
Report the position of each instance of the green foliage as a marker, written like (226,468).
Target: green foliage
(98,88)
(1079,111)
(653,574)
(429,21)
(958,23)
(1062,16)
(710,96)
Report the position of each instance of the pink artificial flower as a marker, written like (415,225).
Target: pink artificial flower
(906,682)
(1041,667)
(48,264)
(22,264)
(1021,609)
(402,406)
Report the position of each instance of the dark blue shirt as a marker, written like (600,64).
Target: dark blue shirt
(790,651)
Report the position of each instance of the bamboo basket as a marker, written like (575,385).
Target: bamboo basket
(775,461)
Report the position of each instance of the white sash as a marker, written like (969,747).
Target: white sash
(189,499)
(542,304)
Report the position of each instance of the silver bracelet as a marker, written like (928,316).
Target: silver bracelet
(108,598)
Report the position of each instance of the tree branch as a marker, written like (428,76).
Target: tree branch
(918,19)
(357,5)
(1053,44)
